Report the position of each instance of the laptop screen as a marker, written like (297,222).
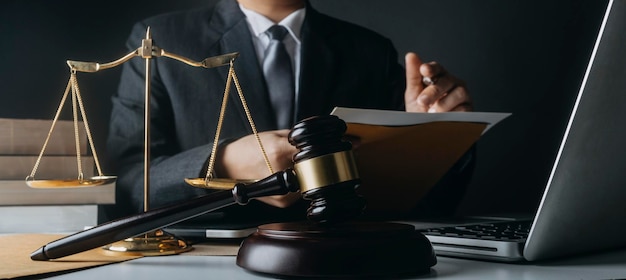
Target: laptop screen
(581,207)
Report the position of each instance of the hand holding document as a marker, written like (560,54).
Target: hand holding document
(402,155)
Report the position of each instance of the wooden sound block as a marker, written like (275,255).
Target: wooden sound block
(351,249)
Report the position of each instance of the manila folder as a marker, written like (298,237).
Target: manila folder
(401,156)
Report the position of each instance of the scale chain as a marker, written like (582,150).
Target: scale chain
(232,76)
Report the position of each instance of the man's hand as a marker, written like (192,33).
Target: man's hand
(445,93)
(242,159)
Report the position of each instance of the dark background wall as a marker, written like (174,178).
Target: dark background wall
(523,57)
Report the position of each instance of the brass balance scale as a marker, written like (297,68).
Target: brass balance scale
(158,242)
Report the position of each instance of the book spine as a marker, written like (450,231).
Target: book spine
(16,192)
(67,218)
(27,137)
(50,167)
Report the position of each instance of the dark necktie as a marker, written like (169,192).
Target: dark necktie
(279,77)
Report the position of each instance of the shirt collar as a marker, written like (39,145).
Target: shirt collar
(259,23)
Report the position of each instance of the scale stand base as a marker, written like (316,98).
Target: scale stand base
(354,249)
(156,243)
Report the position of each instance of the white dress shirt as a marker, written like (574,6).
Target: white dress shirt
(259,24)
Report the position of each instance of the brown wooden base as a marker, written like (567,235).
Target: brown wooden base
(351,249)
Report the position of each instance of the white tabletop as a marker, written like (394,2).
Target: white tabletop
(599,266)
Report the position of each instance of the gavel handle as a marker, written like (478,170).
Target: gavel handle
(278,183)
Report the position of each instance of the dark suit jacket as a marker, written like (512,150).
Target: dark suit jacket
(342,65)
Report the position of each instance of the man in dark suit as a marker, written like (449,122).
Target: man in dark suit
(335,64)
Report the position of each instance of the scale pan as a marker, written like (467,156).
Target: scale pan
(71,183)
(216,184)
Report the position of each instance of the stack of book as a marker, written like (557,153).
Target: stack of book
(25,209)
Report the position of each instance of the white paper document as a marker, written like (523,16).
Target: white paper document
(400,156)
(401,118)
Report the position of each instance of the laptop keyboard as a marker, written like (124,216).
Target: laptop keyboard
(504,231)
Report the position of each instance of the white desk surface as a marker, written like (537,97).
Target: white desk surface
(599,266)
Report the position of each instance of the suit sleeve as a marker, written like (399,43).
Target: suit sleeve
(125,143)
(444,198)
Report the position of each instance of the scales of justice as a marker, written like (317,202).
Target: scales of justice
(330,243)
(158,242)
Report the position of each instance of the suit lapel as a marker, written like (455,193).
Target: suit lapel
(230,25)
(315,93)
(314,97)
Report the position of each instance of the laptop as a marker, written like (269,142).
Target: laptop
(235,222)
(212,226)
(224,226)
(582,208)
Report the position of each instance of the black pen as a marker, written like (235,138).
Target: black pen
(279,183)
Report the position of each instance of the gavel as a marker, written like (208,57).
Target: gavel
(324,172)
(330,243)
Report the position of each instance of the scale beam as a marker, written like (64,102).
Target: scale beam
(209,62)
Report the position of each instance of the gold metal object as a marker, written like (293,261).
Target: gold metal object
(77,105)
(153,243)
(213,183)
(210,62)
(71,183)
(148,51)
(145,51)
(326,170)
(216,183)
(157,243)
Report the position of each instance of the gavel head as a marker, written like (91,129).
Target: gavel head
(326,170)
